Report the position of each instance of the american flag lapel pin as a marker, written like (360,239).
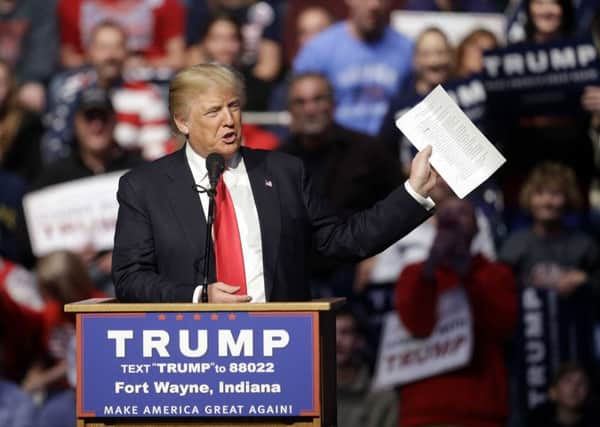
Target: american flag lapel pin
(268,183)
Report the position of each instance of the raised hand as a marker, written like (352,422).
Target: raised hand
(422,176)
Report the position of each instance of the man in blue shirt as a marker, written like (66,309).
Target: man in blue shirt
(365,60)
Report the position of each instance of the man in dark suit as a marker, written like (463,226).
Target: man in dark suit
(159,241)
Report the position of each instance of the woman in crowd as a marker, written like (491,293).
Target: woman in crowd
(222,43)
(20,131)
(432,65)
(549,20)
(469,53)
(260,24)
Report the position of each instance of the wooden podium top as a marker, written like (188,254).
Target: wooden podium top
(111,305)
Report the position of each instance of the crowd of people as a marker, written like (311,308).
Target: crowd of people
(83,93)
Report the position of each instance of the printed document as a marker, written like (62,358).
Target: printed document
(462,155)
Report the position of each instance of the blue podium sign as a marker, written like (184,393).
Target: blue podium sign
(198,364)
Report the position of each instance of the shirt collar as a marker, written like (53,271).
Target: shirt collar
(197,164)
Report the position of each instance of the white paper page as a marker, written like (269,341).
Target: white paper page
(462,155)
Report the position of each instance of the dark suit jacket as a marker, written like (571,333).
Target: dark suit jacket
(160,234)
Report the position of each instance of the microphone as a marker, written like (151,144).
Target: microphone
(215,165)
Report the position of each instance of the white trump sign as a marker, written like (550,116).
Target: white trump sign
(73,215)
(456,25)
(403,358)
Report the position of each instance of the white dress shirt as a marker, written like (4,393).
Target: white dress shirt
(237,182)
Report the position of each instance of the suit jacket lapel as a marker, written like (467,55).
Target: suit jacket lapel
(186,205)
(266,197)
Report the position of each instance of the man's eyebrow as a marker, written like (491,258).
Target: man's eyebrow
(213,107)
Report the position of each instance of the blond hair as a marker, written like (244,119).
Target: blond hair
(63,275)
(197,80)
(551,175)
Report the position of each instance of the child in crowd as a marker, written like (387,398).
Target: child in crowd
(569,401)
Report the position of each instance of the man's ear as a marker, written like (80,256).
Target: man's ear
(553,394)
(181,124)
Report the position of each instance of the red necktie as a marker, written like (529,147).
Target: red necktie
(228,246)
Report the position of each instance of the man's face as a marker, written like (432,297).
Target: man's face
(310,105)
(310,23)
(107,53)
(433,59)
(94,130)
(214,122)
(458,215)
(369,16)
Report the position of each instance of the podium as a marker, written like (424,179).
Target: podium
(176,365)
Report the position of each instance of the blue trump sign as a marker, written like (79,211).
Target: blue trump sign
(250,364)
(546,78)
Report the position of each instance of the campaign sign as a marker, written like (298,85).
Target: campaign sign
(469,94)
(250,364)
(545,78)
(552,330)
(73,215)
(403,359)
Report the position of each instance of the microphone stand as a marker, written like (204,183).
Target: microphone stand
(215,165)
(210,219)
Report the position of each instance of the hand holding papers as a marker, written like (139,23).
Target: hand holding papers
(462,155)
(422,176)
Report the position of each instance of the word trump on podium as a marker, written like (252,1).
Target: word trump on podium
(198,364)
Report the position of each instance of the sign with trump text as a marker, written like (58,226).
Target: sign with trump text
(247,364)
(73,215)
(543,78)
(404,358)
